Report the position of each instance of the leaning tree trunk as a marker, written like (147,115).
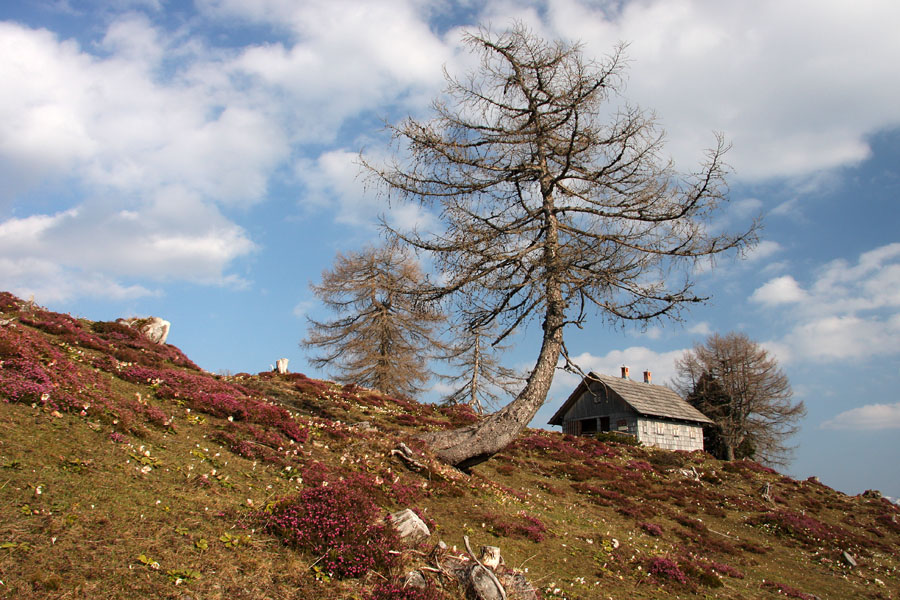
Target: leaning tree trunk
(468,446)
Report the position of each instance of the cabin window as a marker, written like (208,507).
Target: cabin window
(588,426)
(622,425)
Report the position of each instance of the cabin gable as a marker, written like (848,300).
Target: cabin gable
(599,409)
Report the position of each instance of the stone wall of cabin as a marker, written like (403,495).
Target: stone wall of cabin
(670,435)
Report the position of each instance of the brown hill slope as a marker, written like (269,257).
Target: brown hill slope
(127,472)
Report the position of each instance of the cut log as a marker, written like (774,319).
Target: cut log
(490,556)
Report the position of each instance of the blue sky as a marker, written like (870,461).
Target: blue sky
(196,161)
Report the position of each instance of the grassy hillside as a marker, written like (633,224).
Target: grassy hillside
(127,472)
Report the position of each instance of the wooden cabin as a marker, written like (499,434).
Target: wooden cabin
(654,414)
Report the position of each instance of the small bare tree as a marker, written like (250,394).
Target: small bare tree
(381,337)
(736,383)
(480,380)
(550,207)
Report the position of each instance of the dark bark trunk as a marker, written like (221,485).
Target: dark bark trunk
(475,444)
(469,446)
(729,452)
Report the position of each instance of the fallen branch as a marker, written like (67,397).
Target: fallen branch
(730,537)
(404,453)
(490,572)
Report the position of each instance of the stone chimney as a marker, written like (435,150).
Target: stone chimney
(624,372)
(646,376)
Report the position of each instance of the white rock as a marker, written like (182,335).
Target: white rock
(409,526)
(153,328)
(281,366)
(415,579)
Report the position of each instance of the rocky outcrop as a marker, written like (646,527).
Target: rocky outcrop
(153,328)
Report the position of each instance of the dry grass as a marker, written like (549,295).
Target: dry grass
(81,516)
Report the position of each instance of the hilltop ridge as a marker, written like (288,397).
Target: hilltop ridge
(127,471)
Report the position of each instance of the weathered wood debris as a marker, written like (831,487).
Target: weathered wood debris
(483,577)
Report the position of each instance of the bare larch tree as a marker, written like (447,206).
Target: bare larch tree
(381,337)
(550,206)
(738,384)
(479,380)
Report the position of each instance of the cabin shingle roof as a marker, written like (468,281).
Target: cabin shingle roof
(646,398)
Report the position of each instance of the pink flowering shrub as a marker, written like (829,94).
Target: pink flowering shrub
(666,568)
(652,529)
(460,415)
(8,302)
(545,442)
(690,522)
(562,448)
(600,495)
(724,569)
(803,528)
(125,343)
(521,525)
(317,474)
(404,490)
(339,522)
(215,397)
(506,469)
(576,471)
(890,521)
(608,471)
(641,466)
(32,370)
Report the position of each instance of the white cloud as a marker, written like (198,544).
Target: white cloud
(848,312)
(302,308)
(792,84)
(653,333)
(762,250)
(112,122)
(874,282)
(844,337)
(148,160)
(49,282)
(636,358)
(333,181)
(143,109)
(701,328)
(781,290)
(344,58)
(868,417)
(86,250)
